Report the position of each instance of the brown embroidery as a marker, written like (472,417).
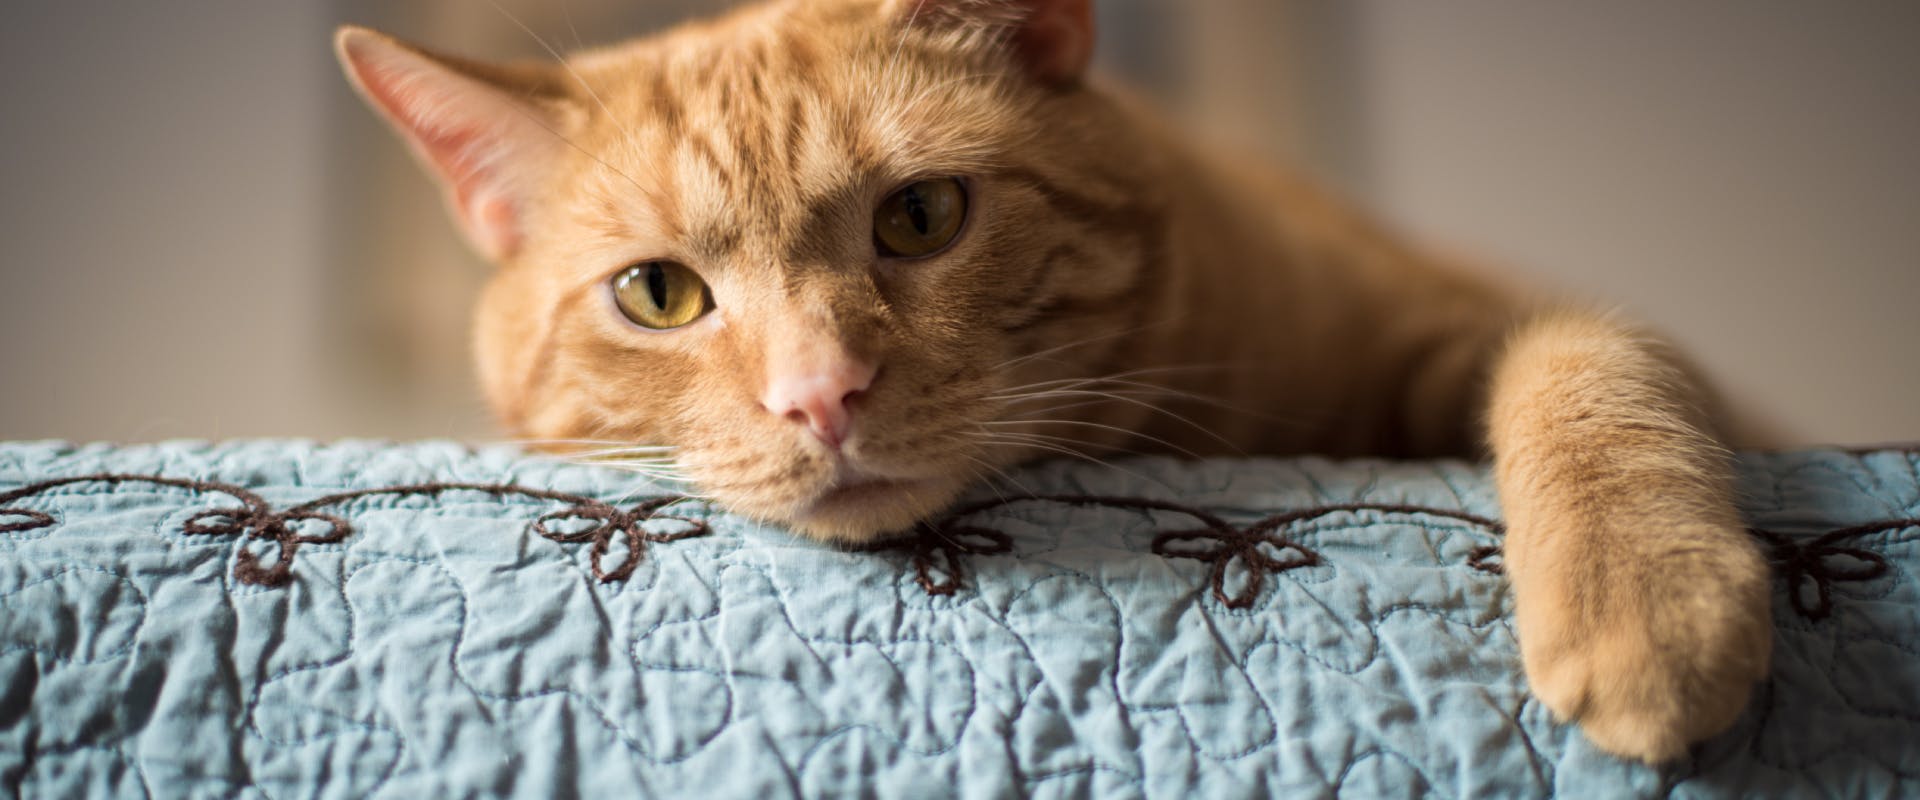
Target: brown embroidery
(1258,548)
(1487,559)
(255,519)
(1250,545)
(25,520)
(937,550)
(1810,563)
(1803,566)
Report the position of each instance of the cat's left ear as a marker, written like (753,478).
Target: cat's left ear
(489,133)
(1053,39)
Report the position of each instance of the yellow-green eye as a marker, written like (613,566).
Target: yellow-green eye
(920,219)
(661,295)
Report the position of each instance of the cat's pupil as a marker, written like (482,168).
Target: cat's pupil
(917,211)
(657,286)
(919,219)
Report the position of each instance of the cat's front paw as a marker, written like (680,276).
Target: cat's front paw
(1650,640)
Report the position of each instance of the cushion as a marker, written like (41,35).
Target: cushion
(281,619)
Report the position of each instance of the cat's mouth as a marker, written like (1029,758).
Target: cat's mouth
(861,491)
(862,507)
(855,487)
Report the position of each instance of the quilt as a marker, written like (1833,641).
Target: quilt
(281,619)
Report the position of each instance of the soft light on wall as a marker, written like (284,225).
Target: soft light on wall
(205,235)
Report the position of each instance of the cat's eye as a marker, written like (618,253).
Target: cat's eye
(661,294)
(920,219)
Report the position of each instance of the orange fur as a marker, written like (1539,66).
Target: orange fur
(1113,288)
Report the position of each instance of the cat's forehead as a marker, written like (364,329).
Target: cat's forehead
(774,132)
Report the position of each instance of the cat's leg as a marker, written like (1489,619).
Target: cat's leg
(1641,603)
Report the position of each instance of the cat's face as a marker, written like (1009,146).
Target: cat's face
(813,246)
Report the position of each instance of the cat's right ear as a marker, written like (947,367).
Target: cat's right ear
(487,132)
(1053,39)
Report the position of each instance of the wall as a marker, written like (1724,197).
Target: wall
(202,233)
(1743,173)
(160,178)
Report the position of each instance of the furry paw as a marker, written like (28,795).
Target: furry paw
(1650,642)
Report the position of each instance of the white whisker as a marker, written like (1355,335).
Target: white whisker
(997,475)
(567,13)
(1122,378)
(901,43)
(1101,426)
(537,442)
(1021,438)
(1072,453)
(1204,430)
(661,455)
(625,133)
(1012,362)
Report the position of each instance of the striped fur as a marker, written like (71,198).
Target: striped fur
(1114,288)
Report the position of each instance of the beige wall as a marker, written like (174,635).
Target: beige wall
(204,235)
(1745,173)
(161,272)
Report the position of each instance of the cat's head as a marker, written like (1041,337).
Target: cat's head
(820,248)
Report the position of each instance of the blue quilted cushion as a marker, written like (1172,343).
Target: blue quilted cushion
(284,619)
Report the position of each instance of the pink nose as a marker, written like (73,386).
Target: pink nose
(818,397)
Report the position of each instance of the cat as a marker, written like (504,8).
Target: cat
(841,259)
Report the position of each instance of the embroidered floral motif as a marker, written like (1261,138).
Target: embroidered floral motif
(1259,550)
(1820,563)
(255,520)
(1239,558)
(937,549)
(1805,565)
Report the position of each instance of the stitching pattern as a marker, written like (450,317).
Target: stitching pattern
(1257,547)
(938,549)
(1061,665)
(1814,563)
(256,520)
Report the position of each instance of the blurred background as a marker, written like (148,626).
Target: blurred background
(204,234)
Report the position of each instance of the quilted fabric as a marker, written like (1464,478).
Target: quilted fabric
(330,635)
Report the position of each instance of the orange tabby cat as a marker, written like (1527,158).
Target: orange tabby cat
(847,257)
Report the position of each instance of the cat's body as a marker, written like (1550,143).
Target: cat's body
(1105,285)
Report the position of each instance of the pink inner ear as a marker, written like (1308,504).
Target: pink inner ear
(455,146)
(447,146)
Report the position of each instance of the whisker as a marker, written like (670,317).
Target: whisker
(1081,343)
(1072,453)
(656,470)
(1056,394)
(625,133)
(999,474)
(616,456)
(900,44)
(534,442)
(679,483)
(1024,438)
(650,470)
(1122,378)
(560,59)
(566,12)
(660,455)
(1041,389)
(1204,430)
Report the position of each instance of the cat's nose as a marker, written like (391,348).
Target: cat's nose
(817,397)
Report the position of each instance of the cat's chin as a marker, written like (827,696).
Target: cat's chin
(868,511)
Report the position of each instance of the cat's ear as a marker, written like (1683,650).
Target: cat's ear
(1052,38)
(488,132)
